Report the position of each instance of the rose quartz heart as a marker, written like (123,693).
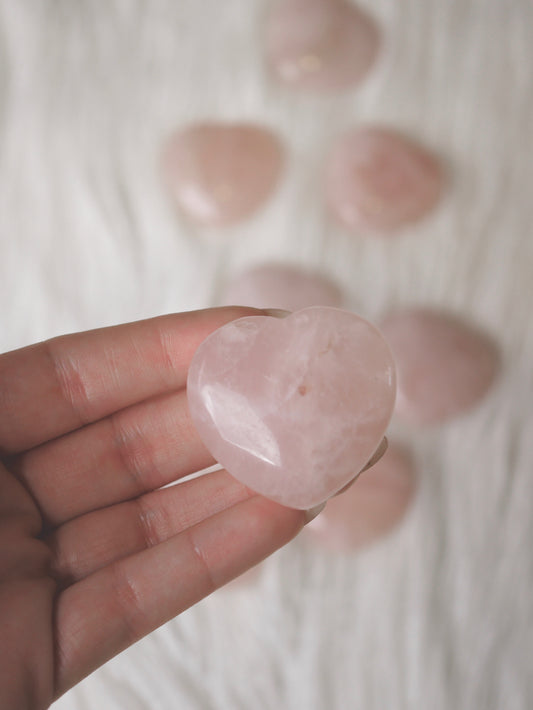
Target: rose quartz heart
(320,45)
(372,507)
(378,180)
(220,174)
(445,366)
(293,407)
(282,286)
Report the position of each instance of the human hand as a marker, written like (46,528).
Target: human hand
(94,554)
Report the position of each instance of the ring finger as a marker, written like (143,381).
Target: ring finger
(92,541)
(138,449)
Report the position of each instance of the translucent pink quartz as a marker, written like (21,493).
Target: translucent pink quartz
(444,365)
(282,286)
(371,507)
(320,45)
(219,174)
(293,407)
(377,180)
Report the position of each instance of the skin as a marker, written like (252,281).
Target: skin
(94,554)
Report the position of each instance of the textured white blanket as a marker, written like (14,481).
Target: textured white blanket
(439,615)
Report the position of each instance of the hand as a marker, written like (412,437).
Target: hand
(94,554)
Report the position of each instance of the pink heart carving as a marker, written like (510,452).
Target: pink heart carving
(294,407)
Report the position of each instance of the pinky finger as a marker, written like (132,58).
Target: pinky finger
(105,613)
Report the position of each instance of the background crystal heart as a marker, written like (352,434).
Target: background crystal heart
(293,407)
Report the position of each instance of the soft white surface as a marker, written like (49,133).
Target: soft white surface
(440,615)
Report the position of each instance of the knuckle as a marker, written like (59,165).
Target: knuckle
(150,523)
(135,453)
(70,381)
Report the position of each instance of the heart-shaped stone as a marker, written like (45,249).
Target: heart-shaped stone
(220,174)
(379,181)
(320,45)
(293,407)
(445,365)
(372,507)
(282,286)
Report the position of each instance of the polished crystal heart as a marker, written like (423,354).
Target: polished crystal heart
(377,180)
(320,45)
(220,174)
(282,286)
(293,407)
(445,364)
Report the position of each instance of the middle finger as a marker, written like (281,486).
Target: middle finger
(92,541)
(118,458)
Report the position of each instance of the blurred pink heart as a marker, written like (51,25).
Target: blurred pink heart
(378,180)
(278,285)
(372,507)
(321,45)
(220,174)
(445,365)
(293,407)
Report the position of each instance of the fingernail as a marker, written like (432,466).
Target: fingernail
(276,312)
(378,453)
(313,512)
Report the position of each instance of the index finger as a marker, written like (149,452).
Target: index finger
(54,387)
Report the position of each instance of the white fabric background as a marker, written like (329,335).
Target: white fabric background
(439,615)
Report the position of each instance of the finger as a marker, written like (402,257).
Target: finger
(134,451)
(86,544)
(106,612)
(57,386)
(15,501)
(21,553)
